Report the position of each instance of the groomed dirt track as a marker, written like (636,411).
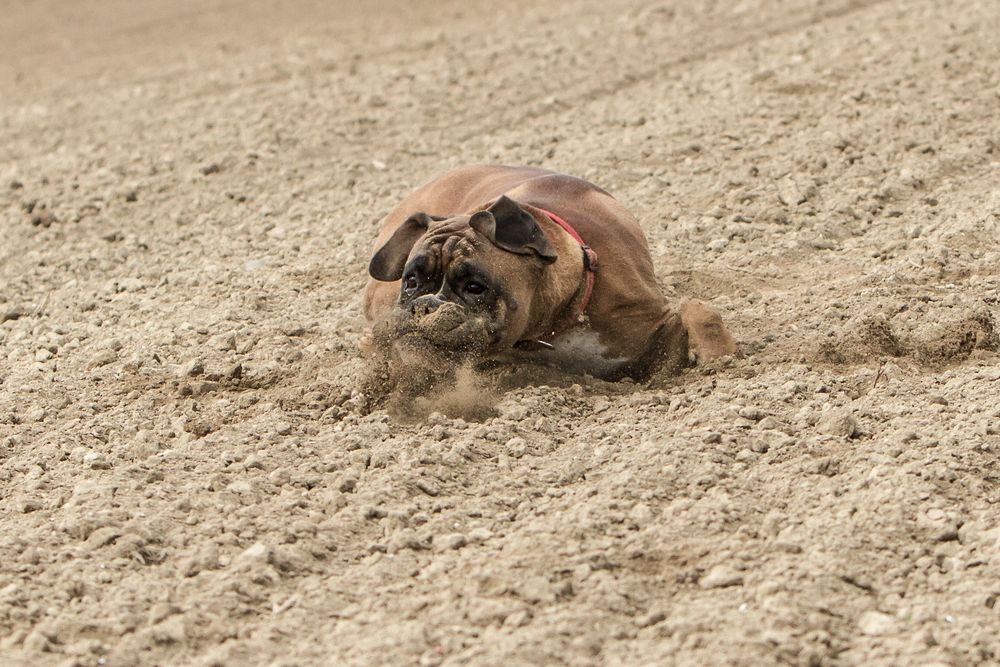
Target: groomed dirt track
(190,473)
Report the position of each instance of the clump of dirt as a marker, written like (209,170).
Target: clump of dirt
(874,336)
(957,340)
(426,383)
(869,337)
(461,394)
(424,363)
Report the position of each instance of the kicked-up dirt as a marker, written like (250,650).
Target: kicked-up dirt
(192,468)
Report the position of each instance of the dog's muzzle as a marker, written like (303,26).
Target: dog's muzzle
(425,305)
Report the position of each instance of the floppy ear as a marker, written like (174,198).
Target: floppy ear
(510,227)
(388,262)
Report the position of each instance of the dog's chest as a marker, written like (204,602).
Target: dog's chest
(578,350)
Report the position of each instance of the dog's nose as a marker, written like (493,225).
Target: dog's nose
(425,305)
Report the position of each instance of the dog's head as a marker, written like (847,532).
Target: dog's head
(466,283)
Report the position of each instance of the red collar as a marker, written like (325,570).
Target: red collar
(589,263)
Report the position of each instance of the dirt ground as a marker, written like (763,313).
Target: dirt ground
(190,474)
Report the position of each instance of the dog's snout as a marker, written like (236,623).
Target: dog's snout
(425,305)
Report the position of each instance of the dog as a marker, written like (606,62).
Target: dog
(518,264)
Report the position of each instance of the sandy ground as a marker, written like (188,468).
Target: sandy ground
(189,474)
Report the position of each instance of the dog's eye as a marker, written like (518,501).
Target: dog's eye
(410,282)
(472,287)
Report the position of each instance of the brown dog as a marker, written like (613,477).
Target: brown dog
(523,264)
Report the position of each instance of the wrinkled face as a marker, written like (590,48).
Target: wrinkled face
(460,290)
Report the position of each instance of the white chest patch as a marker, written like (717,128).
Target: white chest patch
(578,350)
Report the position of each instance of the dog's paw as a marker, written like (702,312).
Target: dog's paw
(708,337)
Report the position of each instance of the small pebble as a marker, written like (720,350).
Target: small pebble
(875,623)
(36,642)
(103,358)
(718,245)
(171,631)
(193,368)
(641,514)
(721,576)
(479,534)
(161,610)
(28,505)
(240,486)
(652,618)
(96,461)
(838,422)
(823,244)
(769,424)
(755,414)
(452,541)
(516,447)
(255,556)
